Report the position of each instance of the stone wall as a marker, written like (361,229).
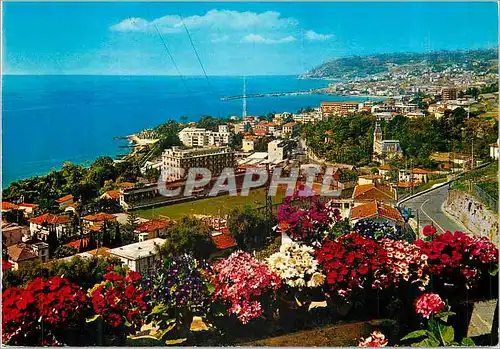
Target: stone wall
(473,214)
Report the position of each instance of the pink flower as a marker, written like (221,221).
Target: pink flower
(376,339)
(429,304)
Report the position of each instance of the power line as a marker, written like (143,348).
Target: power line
(171,57)
(195,51)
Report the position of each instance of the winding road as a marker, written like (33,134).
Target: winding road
(428,209)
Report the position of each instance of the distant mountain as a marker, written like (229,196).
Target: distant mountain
(362,66)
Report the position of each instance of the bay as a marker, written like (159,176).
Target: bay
(47,120)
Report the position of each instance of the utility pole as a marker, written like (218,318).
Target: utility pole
(269,205)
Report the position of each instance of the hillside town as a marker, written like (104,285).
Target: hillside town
(114,212)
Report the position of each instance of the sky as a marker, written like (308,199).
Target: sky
(229,38)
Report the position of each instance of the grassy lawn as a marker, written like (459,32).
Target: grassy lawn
(211,206)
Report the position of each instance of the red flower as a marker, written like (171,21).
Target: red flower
(113,276)
(429,230)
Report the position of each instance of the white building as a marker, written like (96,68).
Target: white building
(200,137)
(43,224)
(277,151)
(494,151)
(140,256)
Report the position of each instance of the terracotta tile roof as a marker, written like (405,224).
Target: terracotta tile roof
(373,191)
(96,227)
(223,240)
(9,206)
(376,209)
(113,194)
(49,218)
(290,124)
(385,167)
(99,217)
(76,243)
(64,199)
(153,225)
(101,251)
(364,211)
(24,204)
(420,171)
(20,252)
(126,185)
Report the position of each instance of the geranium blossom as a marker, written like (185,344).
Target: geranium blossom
(37,313)
(296,266)
(376,339)
(119,299)
(349,260)
(429,230)
(241,281)
(459,254)
(429,304)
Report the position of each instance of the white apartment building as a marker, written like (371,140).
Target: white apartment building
(277,151)
(200,137)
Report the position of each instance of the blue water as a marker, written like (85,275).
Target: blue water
(47,120)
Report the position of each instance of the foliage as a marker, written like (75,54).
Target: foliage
(242,283)
(188,235)
(437,334)
(40,313)
(249,228)
(349,138)
(119,300)
(64,251)
(85,272)
(15,216)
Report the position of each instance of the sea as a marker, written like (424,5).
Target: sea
(47,120)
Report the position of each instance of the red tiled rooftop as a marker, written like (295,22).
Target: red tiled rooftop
(420,171)
(153,225)
(113,194)
(371,176)
(376,209)
(8,206)
(99,217)
(223,241)
(76,243)
(385,167)
(24,204)
(65,198)
(20,252)
(49,218)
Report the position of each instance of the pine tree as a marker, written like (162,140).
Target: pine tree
(117,238)
(52,240)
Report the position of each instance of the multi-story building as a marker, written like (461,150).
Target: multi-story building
(291,128)
(13,233)
(277,151)
(339,108)
(178,161)
(448,93)
(200,137)
(248,143)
